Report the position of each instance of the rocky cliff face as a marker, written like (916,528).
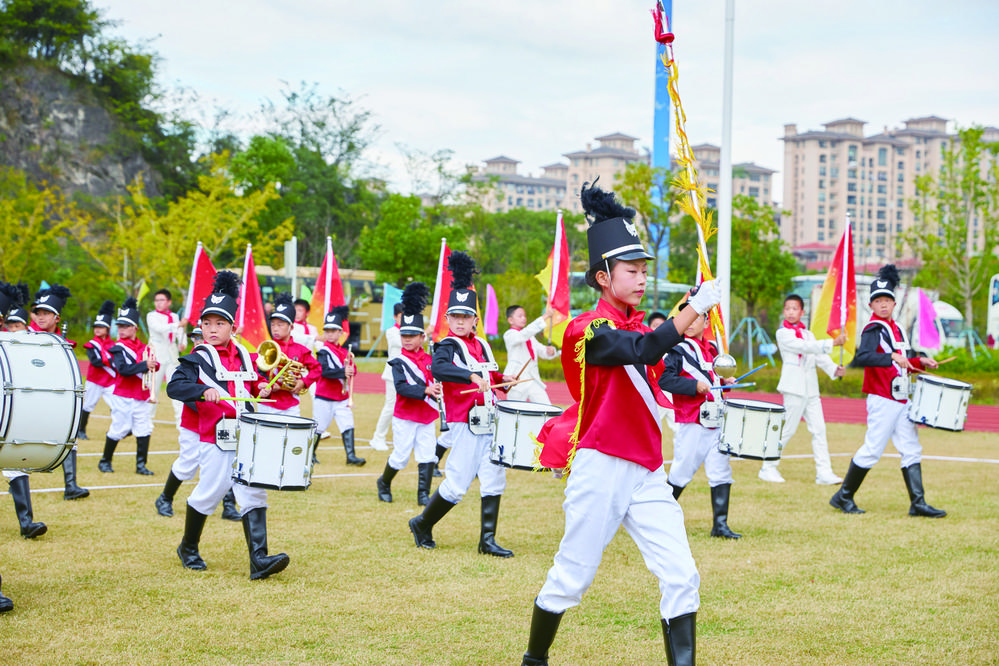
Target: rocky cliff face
(56,130)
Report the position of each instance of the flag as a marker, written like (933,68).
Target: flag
(200,286)
(929,336)
(554,278)
(143,290)
(492,312)
(836,310)
(250,316)
(442,291)
(390,296)
(329,290)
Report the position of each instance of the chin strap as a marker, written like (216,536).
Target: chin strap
(609,278)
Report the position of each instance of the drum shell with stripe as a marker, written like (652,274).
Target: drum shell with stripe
(939,402)
(752,429)
(274,451)
(517,424)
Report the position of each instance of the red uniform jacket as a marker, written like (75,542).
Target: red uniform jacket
(683,370)
(332,385)
(296,352)
(450,367)
(412,375)
(100,371)
(126,357)
(874,355)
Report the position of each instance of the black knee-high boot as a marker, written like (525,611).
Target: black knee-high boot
(348,446)
(676,490)
(20,491)
(187,551)
(384,483)
(719,506)
(164,503)
(843,499)
(109,446)
(487,537)
(5,603)
(141,454)
(81,432)
(262,565)
(913,475)
(544,626)
(229,510)
(72,491)
(440,457)
(680,636)
(422,525)
(424,479)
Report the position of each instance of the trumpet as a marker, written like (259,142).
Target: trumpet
(270,359)
(350,380)
(149,376)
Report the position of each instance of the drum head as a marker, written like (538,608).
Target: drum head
(520,407)
(943,381)
(277,421)
(754,405)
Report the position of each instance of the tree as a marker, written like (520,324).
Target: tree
(761,268)
(957,220)
(54,30)
(402,245)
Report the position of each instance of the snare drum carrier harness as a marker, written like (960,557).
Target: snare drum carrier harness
(893,380)
(229,384)
(480,417)
(696,363)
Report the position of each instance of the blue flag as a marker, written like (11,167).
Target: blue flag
(390,296)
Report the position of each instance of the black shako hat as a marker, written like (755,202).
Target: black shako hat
(52,299)
(611,234)
(224,299)
(414,299)
(128,315)
(885,283)
(283,308)
(335,317)
(462,299)
(104,315)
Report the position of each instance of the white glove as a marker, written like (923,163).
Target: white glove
(707,296)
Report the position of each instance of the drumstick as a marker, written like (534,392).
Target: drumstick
(946,360)
(278,375)
(246,399)
(524,367)
(739,379)
(729,387)
(500,385)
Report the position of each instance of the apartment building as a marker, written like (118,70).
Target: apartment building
(512,190)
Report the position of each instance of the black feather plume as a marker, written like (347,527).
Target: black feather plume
(600,206)
(17,294)
(414,298)
(227,282)
(890,274)
(283,299)
(341,311)
(130,304)
(23,294)
(462,269)
(60,291)
(107,309)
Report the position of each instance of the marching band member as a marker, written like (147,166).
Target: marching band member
(800,354)
(221,368)
(100,374)
(459,360)
(46,315)
(522,349)
(302,331)
(416,409)
(688,376)
(333,388)
(385,419)
(166,336)
(131,360)
(886,357)
(287,402)
(616,475)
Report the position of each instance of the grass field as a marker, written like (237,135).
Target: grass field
(805,585)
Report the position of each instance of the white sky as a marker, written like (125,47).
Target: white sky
(533,79)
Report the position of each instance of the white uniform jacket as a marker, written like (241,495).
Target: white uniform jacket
(394,341)
(163,326)
(800,357)
(517,354)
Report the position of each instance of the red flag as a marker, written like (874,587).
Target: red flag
(442,291)
(200,286)
(250,315)
(554,278)
(837,307)
(329,289)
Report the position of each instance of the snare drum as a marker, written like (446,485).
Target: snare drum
(751,429)
(41,403)
(938,402)
(516,422)
(274,451)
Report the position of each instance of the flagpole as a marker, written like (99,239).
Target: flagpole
(329,275)
(190,285)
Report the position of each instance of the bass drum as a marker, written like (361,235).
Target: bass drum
(42,401)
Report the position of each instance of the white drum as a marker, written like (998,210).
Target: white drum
(41,403)
(517,423)
(274,451)
(939,402)
(751,429)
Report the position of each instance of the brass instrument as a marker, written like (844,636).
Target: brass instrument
(350,380)
(270,359)
(149,376)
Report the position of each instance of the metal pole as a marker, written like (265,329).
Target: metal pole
(725,182)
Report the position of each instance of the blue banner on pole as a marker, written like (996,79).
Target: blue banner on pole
(390,296)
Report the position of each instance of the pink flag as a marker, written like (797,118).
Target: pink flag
(929,336)
(492,311)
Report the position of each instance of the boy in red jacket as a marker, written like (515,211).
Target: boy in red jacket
(286,402)
(333,388)
(100,374)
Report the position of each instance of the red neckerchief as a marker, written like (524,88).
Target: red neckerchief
(419,359)
(530,347)
(169,316)
(707,350)
(891,322)
(797,328)
(472,343)
(231,360)
(631,322)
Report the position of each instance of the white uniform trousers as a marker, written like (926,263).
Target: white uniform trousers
(11,474)
(602,493)
(93,392)
(185,467)
(693,446)
(796,406)
(129,415)
(385,419)
(163,374)
(469,458)
(529,392)
(412,437)
(887,419)
(216,480)
(326,411)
